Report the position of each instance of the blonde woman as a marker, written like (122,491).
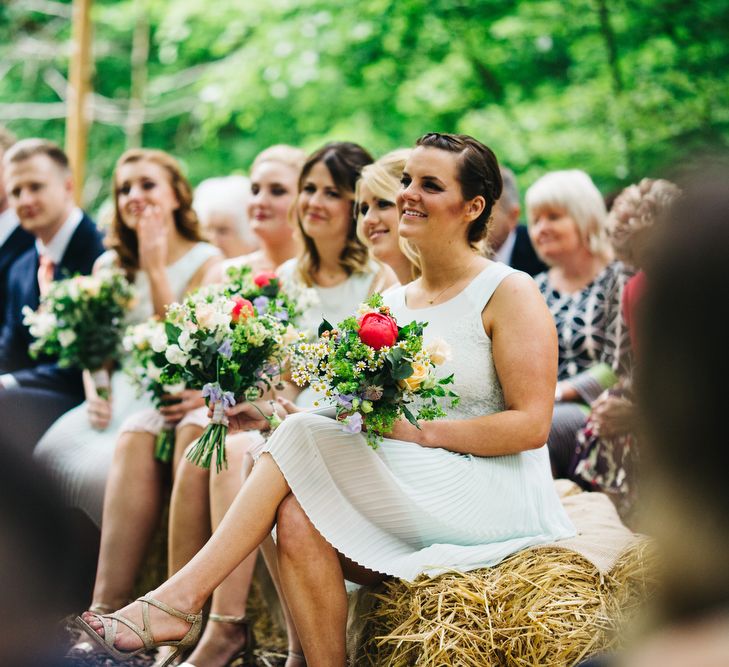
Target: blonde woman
(583,289)
(377,215)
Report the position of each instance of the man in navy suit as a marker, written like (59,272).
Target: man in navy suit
(509,241)
(14,240)
(35,392)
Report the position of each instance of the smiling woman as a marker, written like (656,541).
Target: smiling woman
(378,217)
(583,289)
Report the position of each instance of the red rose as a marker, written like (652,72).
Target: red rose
(377,330)
(242,309)
(264,278)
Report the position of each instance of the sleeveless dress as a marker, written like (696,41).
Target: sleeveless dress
(403,509)
(331,303)
(78,456)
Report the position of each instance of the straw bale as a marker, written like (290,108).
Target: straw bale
(541,606)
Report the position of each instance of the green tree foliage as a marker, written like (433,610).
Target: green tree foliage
(620,88)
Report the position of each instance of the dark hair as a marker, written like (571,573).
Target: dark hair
(344,161)
(27,148)
(682,376)
(478,174)
(121,238)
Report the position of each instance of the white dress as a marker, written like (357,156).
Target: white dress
(403,509)
(79,456)
(330,303)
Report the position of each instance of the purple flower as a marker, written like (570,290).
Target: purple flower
(353,424)
(282,315)
(213,392)
(226,348)
(345,400)
(261,303)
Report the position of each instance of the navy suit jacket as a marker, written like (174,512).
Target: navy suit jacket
(15,245)
(43,373)
(523,256)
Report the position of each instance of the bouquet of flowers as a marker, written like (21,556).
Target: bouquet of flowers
(80,321)
(230,347)
(373,370)
(147,367)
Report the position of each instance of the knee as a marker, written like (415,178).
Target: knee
(293,528)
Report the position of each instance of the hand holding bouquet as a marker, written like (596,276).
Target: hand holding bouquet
(231,348)
(80,322)
(373,370)
(150,373)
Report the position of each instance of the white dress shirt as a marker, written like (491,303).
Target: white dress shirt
(8,222)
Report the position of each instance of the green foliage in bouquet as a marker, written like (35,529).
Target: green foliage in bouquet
(80,320)
(147,367)
(375,371)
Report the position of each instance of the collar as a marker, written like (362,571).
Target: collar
(8,222)
(58,244)
(503,254)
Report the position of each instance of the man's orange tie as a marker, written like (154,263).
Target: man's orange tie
(45,273)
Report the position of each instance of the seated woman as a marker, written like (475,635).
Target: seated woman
(583,289)
(459,493)
(134,491)
(377,215)
(221,204)
(606,446)
(155,237)
(332,253)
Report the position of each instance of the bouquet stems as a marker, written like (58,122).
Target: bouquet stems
(164,445)
(212,441)
(102,382)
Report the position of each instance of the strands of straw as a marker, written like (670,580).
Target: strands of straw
(545,606)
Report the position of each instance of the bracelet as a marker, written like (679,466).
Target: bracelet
(558,393)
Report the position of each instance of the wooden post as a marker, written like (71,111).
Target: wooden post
(79,80)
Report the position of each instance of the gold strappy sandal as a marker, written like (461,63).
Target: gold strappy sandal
(111,621)
(84,648)
(244,657)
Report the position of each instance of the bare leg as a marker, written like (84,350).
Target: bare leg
(184,436)
(268,550)
(221,640)
(189,522)
(313,585)
(132,504)
(248,521)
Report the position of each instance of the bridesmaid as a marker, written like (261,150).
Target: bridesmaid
(460,493)
(155,238)
(377,216)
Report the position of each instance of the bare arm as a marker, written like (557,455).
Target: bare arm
(524,344)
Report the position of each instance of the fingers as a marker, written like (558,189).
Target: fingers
(287,405)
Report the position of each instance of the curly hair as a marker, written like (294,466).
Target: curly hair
(344,161)
(634,211)
(122,238)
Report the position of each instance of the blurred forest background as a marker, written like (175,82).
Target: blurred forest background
(620,88)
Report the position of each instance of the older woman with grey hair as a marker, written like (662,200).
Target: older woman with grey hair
(221,204)
(583,288)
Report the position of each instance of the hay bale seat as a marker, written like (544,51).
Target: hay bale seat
(542,606)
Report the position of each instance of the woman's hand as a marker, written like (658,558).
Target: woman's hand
(612,416)
(253,415)
(404,430)
(152,240)
(99,412)
(181,404)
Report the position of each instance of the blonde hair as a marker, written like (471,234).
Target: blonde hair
(382,178)
(226,195)
(282,153)
(635,210)
(573,191)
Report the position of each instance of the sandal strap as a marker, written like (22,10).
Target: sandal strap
(100,608)
(148,599)
(223,618)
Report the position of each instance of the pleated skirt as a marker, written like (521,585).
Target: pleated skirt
(404,510)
